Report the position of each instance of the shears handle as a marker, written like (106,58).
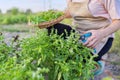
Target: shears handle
(84,38)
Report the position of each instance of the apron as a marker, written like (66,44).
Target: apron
(83,20)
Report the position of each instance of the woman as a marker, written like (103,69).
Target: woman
(100,17)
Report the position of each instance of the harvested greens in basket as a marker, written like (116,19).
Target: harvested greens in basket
(45,16)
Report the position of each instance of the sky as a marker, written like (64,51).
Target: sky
(34,5)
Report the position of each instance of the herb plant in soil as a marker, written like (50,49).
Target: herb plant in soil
(14,65)
(64,59)
(43,57)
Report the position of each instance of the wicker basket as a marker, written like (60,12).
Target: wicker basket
(51,23)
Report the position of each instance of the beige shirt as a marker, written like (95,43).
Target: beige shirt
(109,9)
(84,20)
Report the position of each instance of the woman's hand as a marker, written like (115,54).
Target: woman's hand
(92,41)
(98,35)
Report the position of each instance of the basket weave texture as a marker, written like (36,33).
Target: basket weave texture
(51,23)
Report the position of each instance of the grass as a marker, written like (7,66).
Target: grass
(107,78)
(116,43)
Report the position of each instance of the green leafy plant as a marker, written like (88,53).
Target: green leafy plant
(65,59)
(45,16)
(13,65)
(43,57)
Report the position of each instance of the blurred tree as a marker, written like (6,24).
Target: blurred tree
(13,11)
(21,12)
(28,11)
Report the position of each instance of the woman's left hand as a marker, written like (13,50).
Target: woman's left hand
(92,41)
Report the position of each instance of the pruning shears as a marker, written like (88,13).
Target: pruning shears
(101,64)
(84,38)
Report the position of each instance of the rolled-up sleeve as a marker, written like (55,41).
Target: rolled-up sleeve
(113,8)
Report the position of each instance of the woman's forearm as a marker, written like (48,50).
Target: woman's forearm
(115,25)
(66,12)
